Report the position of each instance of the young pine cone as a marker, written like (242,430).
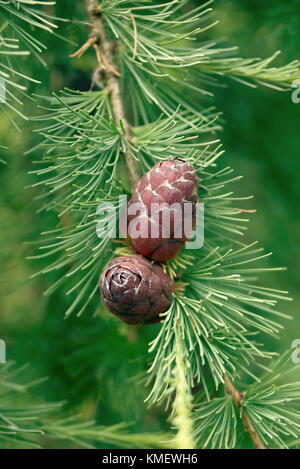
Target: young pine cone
(135,290)
(159,218)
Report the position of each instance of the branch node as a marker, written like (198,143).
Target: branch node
(237,398)
(90,42)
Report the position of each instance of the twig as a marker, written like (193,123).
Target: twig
(83,48)
(237,398)
(104,51)
(110,67)
(182,405)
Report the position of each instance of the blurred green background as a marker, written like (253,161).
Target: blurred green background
(88,359)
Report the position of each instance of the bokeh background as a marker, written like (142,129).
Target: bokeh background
(88,360)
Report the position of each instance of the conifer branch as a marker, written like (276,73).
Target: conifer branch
(105,51)
(210,329)
(27,423)
(237,397)
(19,22)
(182,406)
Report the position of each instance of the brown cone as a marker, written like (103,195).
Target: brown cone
(167,183)
(135,290)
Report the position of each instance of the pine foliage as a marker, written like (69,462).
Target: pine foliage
(17,18)
(221,312)
(23,424)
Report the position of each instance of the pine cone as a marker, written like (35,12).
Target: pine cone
(135,290)
(169,182)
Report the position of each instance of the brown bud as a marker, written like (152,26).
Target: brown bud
(135,290)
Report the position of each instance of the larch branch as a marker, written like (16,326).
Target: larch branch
(237,398)
(105,52)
